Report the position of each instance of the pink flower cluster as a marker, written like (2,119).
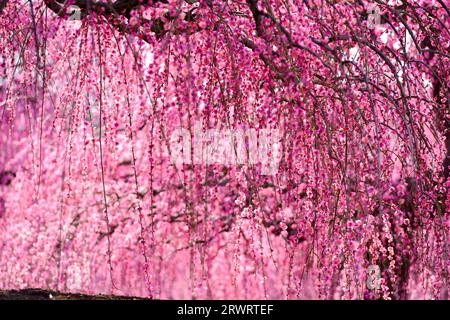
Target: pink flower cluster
(91,202)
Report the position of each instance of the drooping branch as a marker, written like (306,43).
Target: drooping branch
(114,12)
(120,7)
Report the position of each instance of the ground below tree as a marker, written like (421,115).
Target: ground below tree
(40,294)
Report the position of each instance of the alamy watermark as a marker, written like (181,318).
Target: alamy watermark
(373,17)
(72,11)
(240,146)
(373,277)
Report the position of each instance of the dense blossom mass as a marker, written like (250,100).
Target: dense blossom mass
(355,202)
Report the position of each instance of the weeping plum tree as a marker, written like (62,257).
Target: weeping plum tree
(96,96)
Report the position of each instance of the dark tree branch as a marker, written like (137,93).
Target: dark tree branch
(2,5)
